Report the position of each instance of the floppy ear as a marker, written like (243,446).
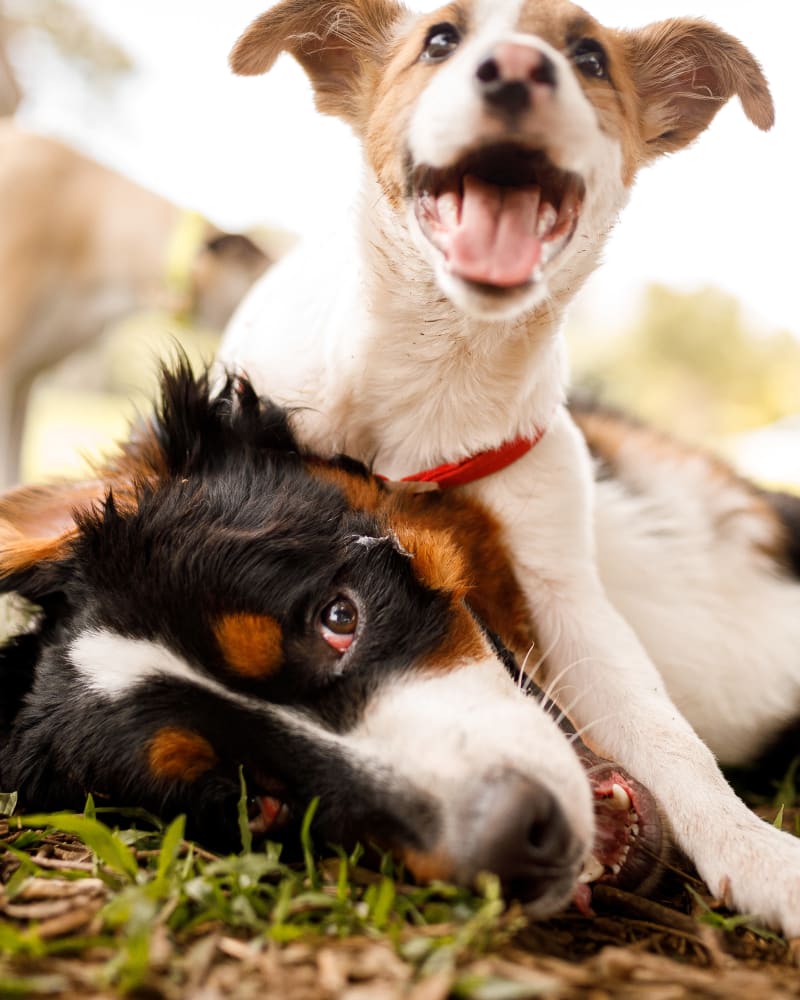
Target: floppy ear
(335,41)
(685,70)
(37,528)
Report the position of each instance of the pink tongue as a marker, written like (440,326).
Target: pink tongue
(495,241)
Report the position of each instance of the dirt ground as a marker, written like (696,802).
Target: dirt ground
(631,948)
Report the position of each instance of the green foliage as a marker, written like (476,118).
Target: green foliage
(731,924)
(158,882)
(693,364)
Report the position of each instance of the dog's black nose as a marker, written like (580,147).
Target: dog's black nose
(520,833)
(508,77)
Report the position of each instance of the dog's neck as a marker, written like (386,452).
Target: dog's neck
(434,384)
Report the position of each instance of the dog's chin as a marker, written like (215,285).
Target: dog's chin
(490,302)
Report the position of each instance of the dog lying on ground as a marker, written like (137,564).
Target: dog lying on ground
(80,247)
(500,139)
(222,598)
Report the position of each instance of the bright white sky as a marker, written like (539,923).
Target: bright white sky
(244,151)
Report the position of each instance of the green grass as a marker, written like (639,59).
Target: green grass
(162,907)
(158,881)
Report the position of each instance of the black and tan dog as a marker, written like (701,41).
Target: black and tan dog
(220,598)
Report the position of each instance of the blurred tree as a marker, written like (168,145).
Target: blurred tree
(74,36)
(692,364)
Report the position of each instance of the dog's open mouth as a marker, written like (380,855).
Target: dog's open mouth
(499,215)
(629,839)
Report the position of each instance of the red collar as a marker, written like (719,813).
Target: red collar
(452,474)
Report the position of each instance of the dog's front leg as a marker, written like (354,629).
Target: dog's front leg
(602,675)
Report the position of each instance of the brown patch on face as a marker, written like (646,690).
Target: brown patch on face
(492,589)
(429,866)
(459,549)
(393,98)
(437,561)
(176,754)
(463,642)
(251,644)
(614,100)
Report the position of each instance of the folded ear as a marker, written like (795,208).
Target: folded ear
(684,71)
(37,528)
(335,41)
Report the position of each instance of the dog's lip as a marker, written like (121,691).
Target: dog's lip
(629,837)
(498,215)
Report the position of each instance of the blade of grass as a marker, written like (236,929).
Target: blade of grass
(107,846)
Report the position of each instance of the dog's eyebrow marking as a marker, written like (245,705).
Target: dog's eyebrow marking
(252,644)
(179,754)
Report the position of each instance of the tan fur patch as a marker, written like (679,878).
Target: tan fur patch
(393,99)
(37,522)
(486,569)
(618,440)
(361,493)
(437,563)
(339,43)
(251,644)
(429,866)
(177,754)
(458,547)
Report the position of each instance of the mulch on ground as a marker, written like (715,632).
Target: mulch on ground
(677,944)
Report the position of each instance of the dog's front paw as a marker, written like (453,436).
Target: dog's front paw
(757,871)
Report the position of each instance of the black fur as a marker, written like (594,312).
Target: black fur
(231,521)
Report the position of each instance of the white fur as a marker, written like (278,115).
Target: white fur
(400,363)
(454,732)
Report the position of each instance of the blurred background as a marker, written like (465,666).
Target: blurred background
(691,323)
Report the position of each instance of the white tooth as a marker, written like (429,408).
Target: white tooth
(592,870)
(547,219)
(620,800)
(616,869)
(635,830)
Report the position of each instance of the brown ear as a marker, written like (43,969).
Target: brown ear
(37,525)
(333,40)
(685,70)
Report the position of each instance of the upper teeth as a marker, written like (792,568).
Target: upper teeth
(619,798)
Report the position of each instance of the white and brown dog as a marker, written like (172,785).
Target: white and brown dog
(501,138)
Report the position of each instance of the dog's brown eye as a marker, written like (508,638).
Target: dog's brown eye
(339,621)
(440,42)
(590,58)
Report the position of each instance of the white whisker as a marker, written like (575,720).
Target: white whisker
(578,734)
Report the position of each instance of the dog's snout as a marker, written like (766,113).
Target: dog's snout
(509,76)
(524,837)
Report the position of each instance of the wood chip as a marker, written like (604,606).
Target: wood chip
(60,888)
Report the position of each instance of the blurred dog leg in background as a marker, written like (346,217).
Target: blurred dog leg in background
(80,248)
